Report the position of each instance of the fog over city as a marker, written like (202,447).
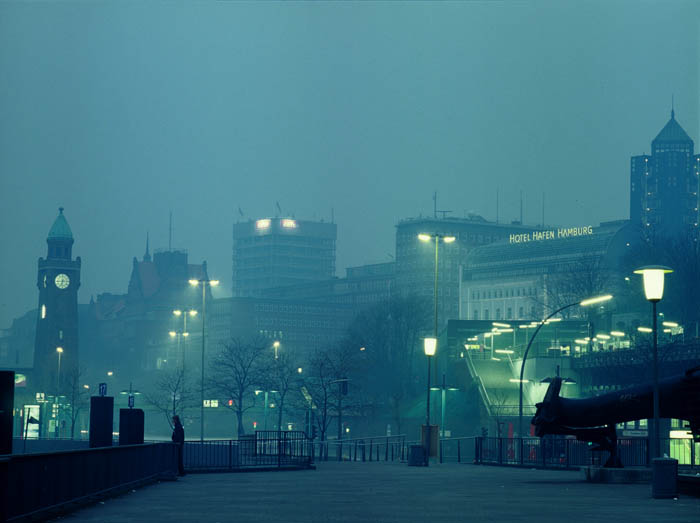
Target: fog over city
(422,253)
(122,112)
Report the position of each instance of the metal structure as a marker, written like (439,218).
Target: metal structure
(261,450)
(39,485)
(594,419)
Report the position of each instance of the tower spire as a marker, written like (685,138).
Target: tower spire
(673,113)
(147,256)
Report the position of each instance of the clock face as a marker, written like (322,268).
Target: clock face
(62,281)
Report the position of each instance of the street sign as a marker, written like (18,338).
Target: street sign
(103,389)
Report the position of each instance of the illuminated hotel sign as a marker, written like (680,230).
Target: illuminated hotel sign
(552,234)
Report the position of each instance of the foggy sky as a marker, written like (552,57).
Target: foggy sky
(121,112)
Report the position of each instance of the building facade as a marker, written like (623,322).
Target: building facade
(274,252)
(129,333)
(537,272)
(664,185)
(415,260)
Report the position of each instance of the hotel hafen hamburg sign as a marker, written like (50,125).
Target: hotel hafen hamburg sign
(551,234)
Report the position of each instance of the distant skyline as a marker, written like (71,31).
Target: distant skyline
(124,111)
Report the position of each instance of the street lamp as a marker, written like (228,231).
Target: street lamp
(584,303)
(266,402)
(443,388)
(433,344)
(429,347)
(212,283)
(183,333)
(276,346)
(653,277)
(59,350)
(446,239)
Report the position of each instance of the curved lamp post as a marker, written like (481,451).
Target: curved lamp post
(584,303)
(653,276)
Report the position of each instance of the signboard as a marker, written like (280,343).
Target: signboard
(31,420)
(20,380)
(551,234)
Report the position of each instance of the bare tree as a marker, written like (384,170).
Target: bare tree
(76,394)
(283,377)
(578,280)
(500,409)
(172,395)
(390,333)
(237,371)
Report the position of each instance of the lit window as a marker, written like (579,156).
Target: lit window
(43,312)
(289,224)
(262,224)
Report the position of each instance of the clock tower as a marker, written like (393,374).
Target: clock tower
(58,280)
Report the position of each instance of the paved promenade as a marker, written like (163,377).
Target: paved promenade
(390,493)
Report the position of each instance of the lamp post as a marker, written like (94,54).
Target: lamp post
(211,283)
(429,346)
(59,351)
(342,391)
(443,388)
(184,333)
(433,344)
(584,303)
(276,347)
(266,392)
(653,278)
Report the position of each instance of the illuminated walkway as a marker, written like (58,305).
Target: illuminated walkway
(390,493)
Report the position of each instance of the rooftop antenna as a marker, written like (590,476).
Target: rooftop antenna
(279,209)
(543,209)
(496,204)
(521,206)
(170,232)
(673,113)
(147,256)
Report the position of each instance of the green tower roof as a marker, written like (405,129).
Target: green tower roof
(60,230)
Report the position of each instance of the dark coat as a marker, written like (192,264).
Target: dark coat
(178,434)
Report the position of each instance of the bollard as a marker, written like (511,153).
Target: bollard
(355,451)
(363,451)
(386,450)
(664,482)
(370,450)
(459,451)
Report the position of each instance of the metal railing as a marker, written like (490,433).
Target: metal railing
(561,452)
(34,485)
(377,448)
(263,449)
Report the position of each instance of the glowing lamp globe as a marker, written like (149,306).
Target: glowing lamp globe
(653,277)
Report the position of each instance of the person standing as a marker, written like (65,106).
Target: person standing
(179,439)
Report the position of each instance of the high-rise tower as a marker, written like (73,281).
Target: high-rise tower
(273,252)
(58,280)
(664,185)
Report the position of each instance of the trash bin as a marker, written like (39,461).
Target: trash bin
(664,478)
(416,456)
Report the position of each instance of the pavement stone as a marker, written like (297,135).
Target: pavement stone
(390,493)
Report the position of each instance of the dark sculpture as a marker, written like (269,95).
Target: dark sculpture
(594,419)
